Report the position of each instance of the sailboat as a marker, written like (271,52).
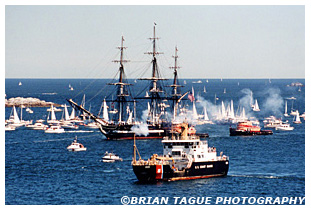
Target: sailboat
(14,119)
(53,116)
(70,87)
(66,122)
(285,112)
(292,110)
(206,119)
(297,118)
(256,106)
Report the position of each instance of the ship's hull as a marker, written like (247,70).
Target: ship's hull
(198,170)
(235,132)
(124,132)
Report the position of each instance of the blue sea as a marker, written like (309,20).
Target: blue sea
(40,171)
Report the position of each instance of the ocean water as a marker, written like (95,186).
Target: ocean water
(39,169)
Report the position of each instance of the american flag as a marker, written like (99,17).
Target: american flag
(191,97)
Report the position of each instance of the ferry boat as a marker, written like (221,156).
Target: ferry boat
(247,128)
(184,157)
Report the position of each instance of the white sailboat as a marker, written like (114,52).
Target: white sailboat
(66,122)
(66,113)
(194,112)
(292,110)
(206,119)
(223,110)
(53,116)
(14,119)
(232,110)
(242,116)
(256,106)
(130,118)
(297,118)
(105,111)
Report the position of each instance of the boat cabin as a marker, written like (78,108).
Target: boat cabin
(192,148)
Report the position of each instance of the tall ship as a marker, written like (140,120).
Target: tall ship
(184,157)
(124,125)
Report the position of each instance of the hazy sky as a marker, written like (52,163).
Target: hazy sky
(213,41)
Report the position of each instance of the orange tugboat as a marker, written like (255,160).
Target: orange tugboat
(246,128)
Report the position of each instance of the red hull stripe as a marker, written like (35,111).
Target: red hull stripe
(193,177)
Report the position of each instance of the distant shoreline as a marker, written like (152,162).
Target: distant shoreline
(28,102)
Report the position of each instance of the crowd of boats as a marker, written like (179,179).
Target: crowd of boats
(185,155)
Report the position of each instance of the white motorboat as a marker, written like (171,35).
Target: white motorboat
(55,129)
(284,127)
(93,125)
(111,157)
(69,125)
(9,127)
(76,147)
(272,122)
(37,126)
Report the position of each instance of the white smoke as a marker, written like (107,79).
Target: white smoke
(247,100)
(211,108)
(274,102)
(141,129)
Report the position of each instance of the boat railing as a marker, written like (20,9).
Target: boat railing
(192,137)
(222,157)
(142,162)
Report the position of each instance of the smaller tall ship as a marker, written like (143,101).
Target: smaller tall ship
(184,157)
(247,128)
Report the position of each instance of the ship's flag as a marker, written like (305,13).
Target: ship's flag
(191,97)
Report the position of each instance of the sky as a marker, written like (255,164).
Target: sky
(212,41)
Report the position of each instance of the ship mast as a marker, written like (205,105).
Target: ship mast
(175,93)
(155,88)
(122,91)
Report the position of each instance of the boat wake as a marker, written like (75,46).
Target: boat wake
(48,93)
(262,176)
